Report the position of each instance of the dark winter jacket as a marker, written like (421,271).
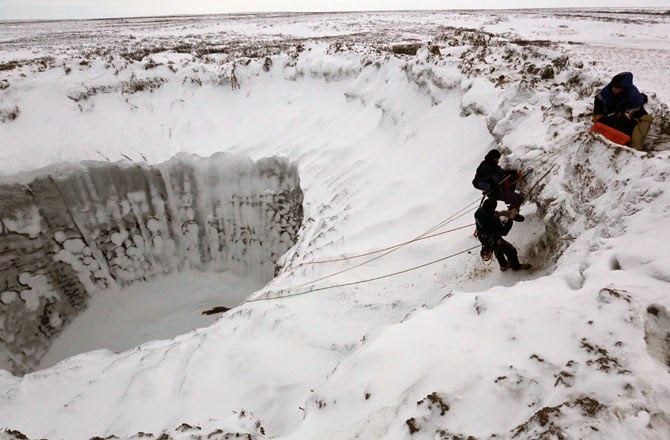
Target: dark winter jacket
(629,102)
(489,224)
(489,175)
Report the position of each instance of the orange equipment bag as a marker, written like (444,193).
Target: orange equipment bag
(610,133)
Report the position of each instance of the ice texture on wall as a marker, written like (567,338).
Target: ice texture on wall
(69,233)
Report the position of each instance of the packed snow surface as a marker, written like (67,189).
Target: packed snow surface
(121,319)
(386,115)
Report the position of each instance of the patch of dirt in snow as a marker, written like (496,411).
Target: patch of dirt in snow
(245,427)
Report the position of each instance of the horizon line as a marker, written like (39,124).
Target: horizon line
(211,14)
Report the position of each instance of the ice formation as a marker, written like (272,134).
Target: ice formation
(67,234)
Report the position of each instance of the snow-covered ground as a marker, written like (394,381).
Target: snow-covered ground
(387,116)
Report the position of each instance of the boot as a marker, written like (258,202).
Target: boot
(522,267)
(514,215)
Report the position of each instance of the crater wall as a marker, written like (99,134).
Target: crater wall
(68,234)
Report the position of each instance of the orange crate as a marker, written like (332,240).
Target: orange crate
(610,133)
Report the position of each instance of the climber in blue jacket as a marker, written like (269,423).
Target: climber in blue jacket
(620,105)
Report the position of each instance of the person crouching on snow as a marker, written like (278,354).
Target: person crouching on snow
(620,105)
(499,184)
(490,231)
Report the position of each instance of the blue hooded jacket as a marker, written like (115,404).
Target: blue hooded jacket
(629,101)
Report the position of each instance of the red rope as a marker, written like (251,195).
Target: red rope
(385,249)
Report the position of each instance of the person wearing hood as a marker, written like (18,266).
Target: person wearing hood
(490,232)
(498,183)
(620,105)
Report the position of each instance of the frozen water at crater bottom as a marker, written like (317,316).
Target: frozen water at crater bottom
(162,308)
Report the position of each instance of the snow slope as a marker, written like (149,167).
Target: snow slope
(386,115)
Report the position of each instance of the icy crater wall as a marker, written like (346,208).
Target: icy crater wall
(67,234)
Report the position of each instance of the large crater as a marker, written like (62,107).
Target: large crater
(73,233)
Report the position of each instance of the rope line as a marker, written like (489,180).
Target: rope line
(530,191)
(544,157)
(309,283)
(658,136)
(458,214)
(381,250)
(268,298)
(425,235)
(443,223)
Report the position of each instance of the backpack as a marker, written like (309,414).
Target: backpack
(475,183)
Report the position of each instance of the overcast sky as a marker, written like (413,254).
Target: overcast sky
(14,9)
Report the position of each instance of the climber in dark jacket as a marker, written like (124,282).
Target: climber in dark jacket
(620,105)
(498,183)
(490,231)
